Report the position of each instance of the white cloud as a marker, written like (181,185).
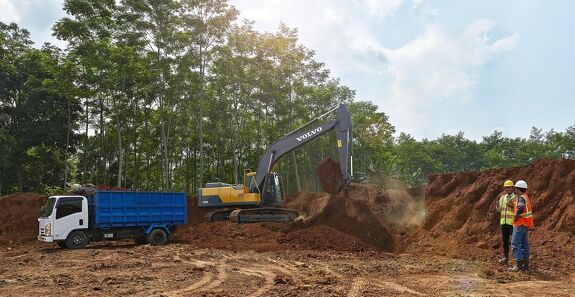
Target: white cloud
(8,12)
(417,4)
(333,15)
(435,69)
(382,8)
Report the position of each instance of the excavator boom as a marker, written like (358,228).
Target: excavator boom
(296,139)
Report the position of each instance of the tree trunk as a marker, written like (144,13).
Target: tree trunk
(235,160)
(298,182)
(201,118)
(164,143)
(67,146)
(120,158)
(102,165)
(187,172)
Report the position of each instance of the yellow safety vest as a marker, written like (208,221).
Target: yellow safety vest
(507,213)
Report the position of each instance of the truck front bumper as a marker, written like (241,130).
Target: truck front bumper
(46,238)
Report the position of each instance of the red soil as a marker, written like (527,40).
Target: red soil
(329,175)
(453,216)
(19,217)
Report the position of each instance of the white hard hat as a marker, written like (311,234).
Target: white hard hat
(521,184)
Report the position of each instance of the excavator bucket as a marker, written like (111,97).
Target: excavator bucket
(329,174)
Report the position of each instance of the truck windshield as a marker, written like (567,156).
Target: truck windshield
(49,207)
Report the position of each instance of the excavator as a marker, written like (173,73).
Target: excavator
(259,198)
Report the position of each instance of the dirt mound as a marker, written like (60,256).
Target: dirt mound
(462,221)
(19,217)
(196,215)
(466,201)
(267,237)
(329,175)
(231,236)
(322,237)
(344,213)
(356,219)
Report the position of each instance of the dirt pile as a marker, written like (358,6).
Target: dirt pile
(344,213)
(462,221)
(267,237)
(465,202)
(362,217)
(329,175)
(19,217)
(355,219)
(453,216)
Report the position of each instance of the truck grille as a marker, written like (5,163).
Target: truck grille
(42,232)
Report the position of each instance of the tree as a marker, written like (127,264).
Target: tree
(37,113)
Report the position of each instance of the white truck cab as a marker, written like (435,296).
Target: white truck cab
(60,216)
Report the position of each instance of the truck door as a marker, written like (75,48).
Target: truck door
(71,214)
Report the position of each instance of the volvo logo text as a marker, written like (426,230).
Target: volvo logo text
(309,134)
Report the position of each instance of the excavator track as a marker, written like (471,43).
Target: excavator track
(254,215)
(220,215)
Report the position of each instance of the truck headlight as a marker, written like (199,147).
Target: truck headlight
(48,229)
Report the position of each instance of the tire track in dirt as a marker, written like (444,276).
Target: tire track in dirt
(205,280)
(221,276)
(396,287)
(287,268)
(356,286)
(358,283)
(268,277)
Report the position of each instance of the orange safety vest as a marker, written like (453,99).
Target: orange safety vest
(525,218)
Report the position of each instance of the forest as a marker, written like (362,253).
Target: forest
(171,94)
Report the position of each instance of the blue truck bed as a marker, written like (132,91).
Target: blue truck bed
(111,209)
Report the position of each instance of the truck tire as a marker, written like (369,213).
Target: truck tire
(76,240)
(157,237)
(61,244)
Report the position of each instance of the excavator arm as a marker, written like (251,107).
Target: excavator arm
(300,137)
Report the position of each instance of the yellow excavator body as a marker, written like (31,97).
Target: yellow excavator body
(222,195)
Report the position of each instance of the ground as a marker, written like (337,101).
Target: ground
(124,269)
(439,240)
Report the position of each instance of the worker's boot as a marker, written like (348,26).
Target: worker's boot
(517,267)
(503,261)
(525,264)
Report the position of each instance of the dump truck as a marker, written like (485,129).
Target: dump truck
(72,221)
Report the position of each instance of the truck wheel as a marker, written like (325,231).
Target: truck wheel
(77,240)
(61,244)
(157,237)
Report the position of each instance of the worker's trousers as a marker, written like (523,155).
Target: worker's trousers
(520,243)
(506,231)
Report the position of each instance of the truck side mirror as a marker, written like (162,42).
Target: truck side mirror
(41,211)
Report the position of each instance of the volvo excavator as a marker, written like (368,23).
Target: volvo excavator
(259,198)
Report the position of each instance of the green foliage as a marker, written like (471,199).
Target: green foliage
(154,94)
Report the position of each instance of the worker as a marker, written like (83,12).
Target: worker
(522,221)
(505,207)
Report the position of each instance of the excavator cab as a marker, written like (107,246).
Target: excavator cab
(272,194)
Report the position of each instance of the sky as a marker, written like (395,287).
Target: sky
(434,67)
